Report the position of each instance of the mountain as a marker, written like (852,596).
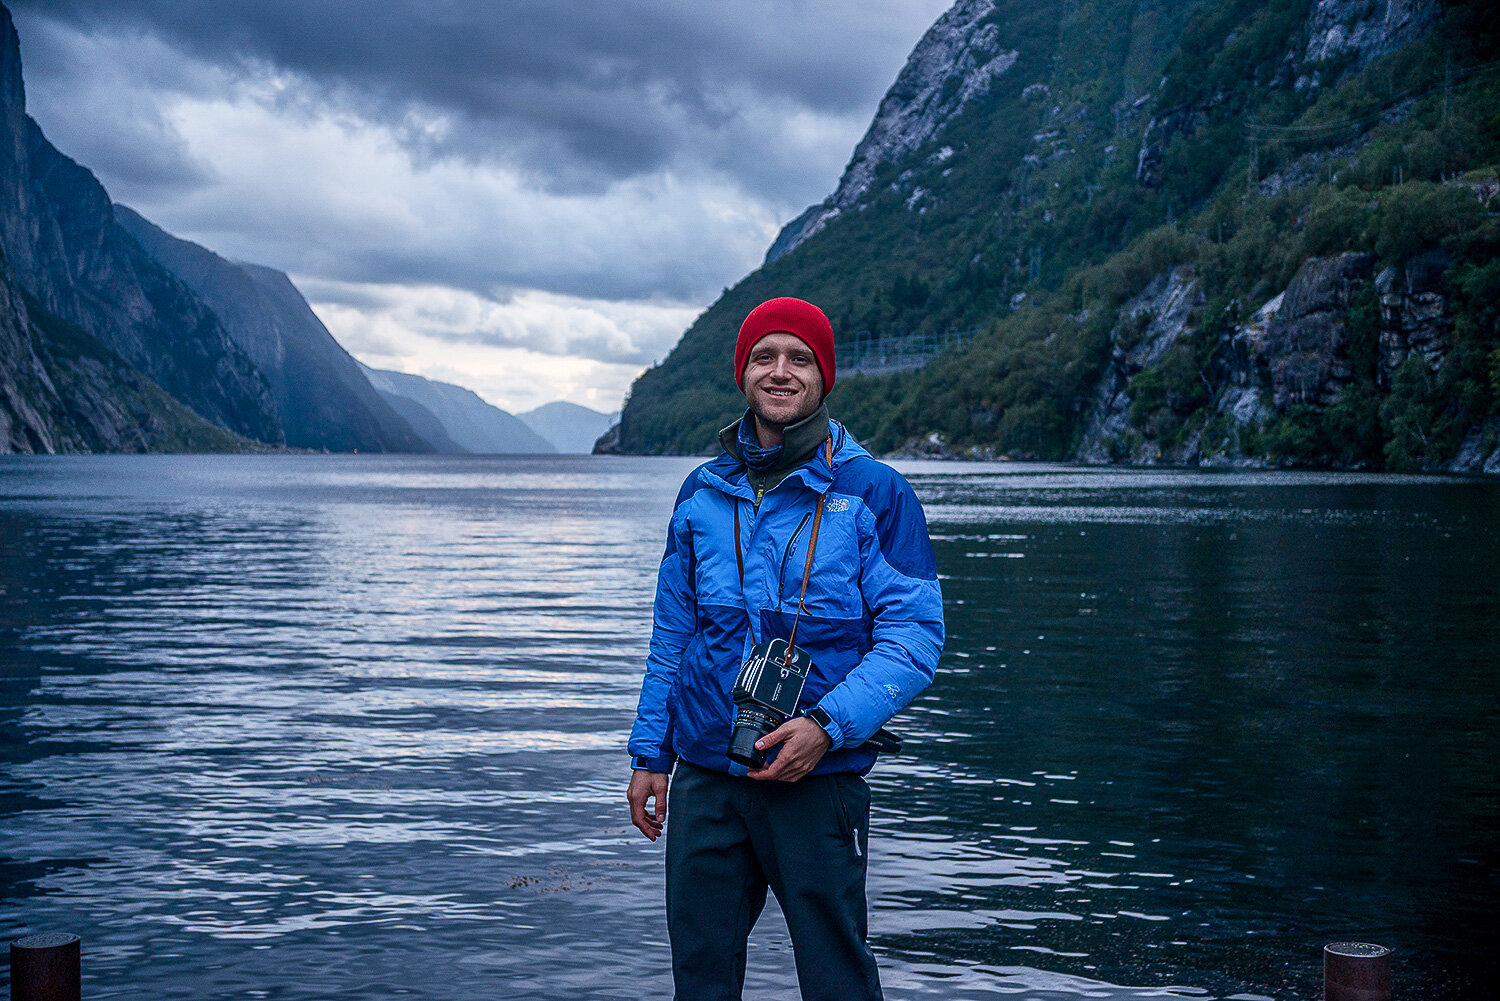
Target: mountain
(325,400)
(63,248)
(62,391)
(957,62)
(469,423)
(568,427)
(1224,231)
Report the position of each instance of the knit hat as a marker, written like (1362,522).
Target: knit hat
(786,315)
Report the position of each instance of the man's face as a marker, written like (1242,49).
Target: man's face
(782,381)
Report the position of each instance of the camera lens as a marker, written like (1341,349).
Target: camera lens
(750,724)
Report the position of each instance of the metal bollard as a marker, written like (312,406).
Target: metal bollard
(1356,971)
(45,967)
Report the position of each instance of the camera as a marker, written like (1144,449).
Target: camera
(765,696)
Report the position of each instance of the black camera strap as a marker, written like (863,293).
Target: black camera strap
(812,546)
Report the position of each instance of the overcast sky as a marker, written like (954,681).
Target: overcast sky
(531,198)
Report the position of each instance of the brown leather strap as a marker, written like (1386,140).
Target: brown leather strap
(812,546)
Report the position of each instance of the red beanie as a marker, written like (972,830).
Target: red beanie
(801,319)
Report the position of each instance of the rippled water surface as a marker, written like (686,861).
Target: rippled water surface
(303,727)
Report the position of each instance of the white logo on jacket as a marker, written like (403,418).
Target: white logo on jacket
(836,504)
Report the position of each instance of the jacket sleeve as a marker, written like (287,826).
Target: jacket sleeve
(898,580)
(674,620)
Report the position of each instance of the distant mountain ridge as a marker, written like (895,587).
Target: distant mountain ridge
(464,417)
(324,398)
(568,427)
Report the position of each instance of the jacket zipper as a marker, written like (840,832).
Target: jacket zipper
(792,544)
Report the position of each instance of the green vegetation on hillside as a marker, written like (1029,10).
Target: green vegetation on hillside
(1037,229)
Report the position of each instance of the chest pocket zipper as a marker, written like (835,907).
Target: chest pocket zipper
(781,577)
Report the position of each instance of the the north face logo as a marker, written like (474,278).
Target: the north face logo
(836,504)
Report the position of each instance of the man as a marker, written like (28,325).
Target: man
(864,603)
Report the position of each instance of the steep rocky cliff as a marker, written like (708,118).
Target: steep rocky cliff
(1367,28)
(956,62)
(63,391)
(64,248)
(1301,350)
(324,399)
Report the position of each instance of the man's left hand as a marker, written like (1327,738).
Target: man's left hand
(803,744)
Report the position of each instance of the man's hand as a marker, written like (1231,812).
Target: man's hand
(803,745)
(644,787)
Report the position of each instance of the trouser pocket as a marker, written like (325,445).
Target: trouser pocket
(850,796)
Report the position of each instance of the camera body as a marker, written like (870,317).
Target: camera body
(765,694)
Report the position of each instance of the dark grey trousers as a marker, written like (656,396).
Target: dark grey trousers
(728,839)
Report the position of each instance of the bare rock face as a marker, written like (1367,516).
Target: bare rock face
(609,442)
(1413,313)
(1480,451)
(27,397)
(955,63)
(1305,349)
(1148,326)
(62,391)
(1370,27)
(1185,120)
(1293,350)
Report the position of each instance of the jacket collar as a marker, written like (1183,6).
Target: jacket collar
(815,473)
(799,442)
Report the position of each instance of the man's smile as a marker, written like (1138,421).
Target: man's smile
(782,382)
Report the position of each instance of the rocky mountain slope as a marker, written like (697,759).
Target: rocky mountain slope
(63,391)
(324,399)
(1224,232)
(957,61)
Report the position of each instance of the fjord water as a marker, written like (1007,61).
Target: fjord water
(308,726)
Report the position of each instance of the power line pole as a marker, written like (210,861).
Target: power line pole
(1447,83)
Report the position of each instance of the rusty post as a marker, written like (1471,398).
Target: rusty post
(1356,971)
(45,967)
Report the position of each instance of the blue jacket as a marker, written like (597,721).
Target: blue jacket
(874,612)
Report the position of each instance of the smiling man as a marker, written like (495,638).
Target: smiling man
(793,535)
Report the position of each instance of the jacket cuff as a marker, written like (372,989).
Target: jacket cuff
(820,716)
(643,762)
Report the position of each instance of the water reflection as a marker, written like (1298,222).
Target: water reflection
(297,726)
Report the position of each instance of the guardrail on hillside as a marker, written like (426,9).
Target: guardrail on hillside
(867,353)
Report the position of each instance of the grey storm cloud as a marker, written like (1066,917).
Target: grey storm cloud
(573,94)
